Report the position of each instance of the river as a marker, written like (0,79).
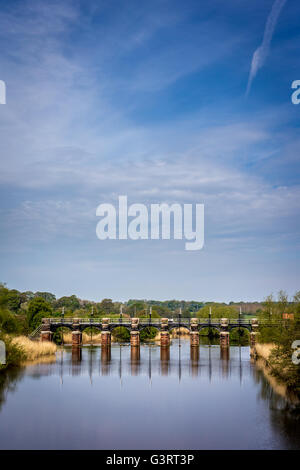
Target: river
(147,398)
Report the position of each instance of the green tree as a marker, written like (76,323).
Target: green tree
(106,306)
(72,302)
(46,296)
(37,309)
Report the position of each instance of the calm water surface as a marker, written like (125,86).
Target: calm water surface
(144,399)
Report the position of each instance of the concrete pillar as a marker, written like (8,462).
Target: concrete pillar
(46,335)
(164,338)
(224,339)
(194,324)
(105,338)
(76,338)
(164,323)
(194,338)
(135,338)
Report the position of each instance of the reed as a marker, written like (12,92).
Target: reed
(264,350)
(34,349)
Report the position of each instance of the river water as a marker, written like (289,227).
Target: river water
(145,398)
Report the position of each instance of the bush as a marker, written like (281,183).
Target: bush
(8,322)
(14,354)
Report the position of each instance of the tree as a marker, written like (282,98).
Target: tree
(269,305)
(47,296)
(37,309)
(106,306)
(71,302)
(283,302)
(13,299)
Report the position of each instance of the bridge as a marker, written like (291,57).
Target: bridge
(136,325)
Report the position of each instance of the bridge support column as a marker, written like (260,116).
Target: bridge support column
(253,336)
(105,338)
(135,338)
(224,335)
(194,338)
(253,339)
(76,338)
(46,335)
(164,338)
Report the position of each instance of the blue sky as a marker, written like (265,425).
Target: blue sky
(148,99)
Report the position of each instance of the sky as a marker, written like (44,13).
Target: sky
(162,101)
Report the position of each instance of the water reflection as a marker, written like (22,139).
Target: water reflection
(145,385)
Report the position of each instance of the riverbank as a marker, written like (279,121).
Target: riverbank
(277,375)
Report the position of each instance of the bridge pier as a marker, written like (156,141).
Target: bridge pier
(194,338)
(135,338)
(76,338)
(253,336)
(105,338)
(164,339)
(46,335)
(224,335)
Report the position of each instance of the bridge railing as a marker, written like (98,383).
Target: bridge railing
(146,321)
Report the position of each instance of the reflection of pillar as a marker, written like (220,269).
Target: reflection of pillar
(224,356)
(134,359)
(194,360)
(224,339)
(105,359)
(76,354)
(76,338)
(194,338)
(165,360)
(105,338)
(164,338)
(135,338)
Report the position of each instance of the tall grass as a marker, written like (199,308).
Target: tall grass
(86,339)
(264,350)
(34,349)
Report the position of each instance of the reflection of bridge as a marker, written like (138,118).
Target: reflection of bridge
(205,361)
(136,325)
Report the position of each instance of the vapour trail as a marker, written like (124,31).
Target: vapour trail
(262,51)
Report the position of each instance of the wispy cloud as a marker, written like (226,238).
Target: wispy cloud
(262,51)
